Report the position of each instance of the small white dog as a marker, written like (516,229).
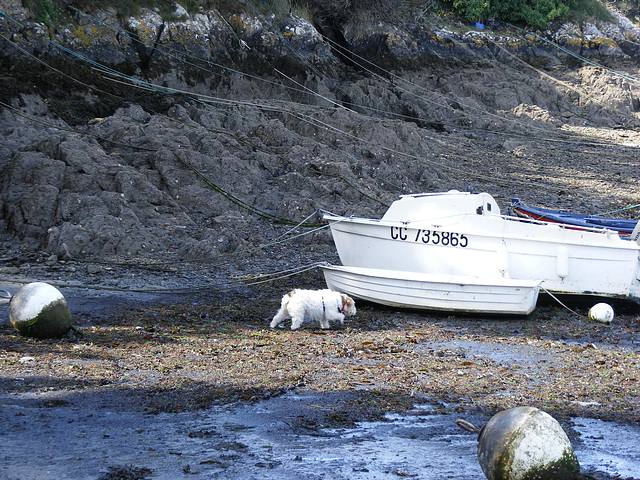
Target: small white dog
(320,305)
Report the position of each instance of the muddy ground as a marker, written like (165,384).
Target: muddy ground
(187,385)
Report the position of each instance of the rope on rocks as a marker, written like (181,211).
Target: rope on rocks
(141,85)
(396,80)
(146,85)
(235,200)
(180,56)
(289,46)
(2,14)
(574,55)
(226,194)
(166,51)
(560,82)
(218,189)
(249,280)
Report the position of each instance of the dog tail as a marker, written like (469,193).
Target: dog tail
(286,298)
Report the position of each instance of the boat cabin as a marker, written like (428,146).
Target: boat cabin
(421,206)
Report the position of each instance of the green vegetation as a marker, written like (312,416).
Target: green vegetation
(48,12)
(536,13)
(589,9)
(629,8)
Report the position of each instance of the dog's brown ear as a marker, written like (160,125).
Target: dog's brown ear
(348,300)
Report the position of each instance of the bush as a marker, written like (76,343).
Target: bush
(44,11)
(537,13)
(589,9)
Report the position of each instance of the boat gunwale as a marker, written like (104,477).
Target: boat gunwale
(452,279)
(335,219)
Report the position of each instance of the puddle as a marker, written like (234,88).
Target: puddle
(425,446)
(499,353)
(609,447)
(83,439)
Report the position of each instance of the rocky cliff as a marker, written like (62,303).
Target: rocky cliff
(189,139)
(152,47)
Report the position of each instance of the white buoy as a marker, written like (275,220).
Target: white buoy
(601,312)
(40,310)
(525,443)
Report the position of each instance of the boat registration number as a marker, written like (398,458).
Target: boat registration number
(434,237)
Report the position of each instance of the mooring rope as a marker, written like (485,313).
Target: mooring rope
(179,55)
(560,82)
(236,200)
(142,84)
(467,426)
(444,104)
(630,207)
(561,304)
(139,84)
(373,110)
(249,280)
(576,56)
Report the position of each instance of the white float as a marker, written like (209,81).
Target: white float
(40,310)
(525,443)
(601,312)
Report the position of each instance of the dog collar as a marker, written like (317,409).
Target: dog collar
(344,304)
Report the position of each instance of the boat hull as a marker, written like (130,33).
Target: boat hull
(441,292)
(490,245)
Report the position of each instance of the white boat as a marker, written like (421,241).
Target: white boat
(451,293)
(464,234)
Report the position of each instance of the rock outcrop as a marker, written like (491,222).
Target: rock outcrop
(194,137)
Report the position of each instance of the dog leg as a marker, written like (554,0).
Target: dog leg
(279,317)
(333,317)
(324,323)
(296,322)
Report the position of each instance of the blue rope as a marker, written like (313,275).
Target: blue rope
(616,211)
(2,14)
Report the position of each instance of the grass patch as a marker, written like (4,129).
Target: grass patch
(589,10)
